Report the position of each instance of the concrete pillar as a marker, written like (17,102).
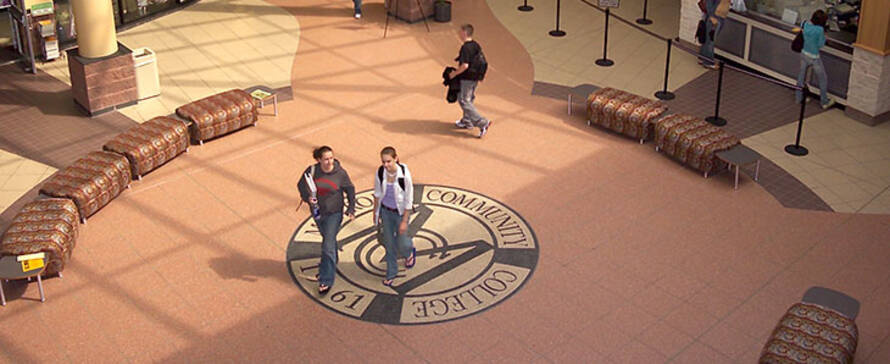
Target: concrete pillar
(94,22)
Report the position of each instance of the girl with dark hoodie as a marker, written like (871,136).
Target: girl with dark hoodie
(323,185)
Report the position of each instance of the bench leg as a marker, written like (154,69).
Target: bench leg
(570,104)
(138,178)
(2,295)
(200,142)
(275,103)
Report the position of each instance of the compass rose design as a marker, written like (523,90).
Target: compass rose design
(473,252)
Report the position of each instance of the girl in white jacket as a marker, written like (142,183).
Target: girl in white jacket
(393,202)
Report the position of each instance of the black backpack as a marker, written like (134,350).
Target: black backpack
(401,179)
(478,66)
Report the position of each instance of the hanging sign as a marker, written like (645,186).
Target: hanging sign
(608,3)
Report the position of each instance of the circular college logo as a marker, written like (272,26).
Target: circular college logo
(472,253)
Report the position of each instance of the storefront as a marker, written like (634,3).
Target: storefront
(761,37)
(126,13)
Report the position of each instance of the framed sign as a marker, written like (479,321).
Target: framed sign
(608,3)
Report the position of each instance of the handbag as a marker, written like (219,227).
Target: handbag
(700,32)
(797,43)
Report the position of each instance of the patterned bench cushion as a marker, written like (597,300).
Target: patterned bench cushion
(623,112)
(811,334)
(48,226)
(151,144)
(692,140)
(91,182)
(220,114)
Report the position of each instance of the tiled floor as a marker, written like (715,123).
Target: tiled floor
(641,260)
(213,46)
(848,165)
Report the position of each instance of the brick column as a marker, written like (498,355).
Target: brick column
(690,14)
(869,96)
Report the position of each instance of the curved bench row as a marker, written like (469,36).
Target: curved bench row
(49,223)
(688,139)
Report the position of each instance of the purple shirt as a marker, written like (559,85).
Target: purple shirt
(389,198)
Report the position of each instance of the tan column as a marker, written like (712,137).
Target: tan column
(874,27)
(94,22)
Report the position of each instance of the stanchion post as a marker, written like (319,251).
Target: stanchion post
(796,148)
(644,20)
(716,119)
(556,32)
(664,94)
(605,61)
(525,6)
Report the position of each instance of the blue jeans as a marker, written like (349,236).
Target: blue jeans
(465,99)
(819,70)
(329,226)
(396,244)
(707,49)
(358,6)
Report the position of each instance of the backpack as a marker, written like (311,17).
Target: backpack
(401,179)
(478,66)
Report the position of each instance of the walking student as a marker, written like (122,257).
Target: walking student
(323,186)
(358,8)
(393,202)
(813,40)
(469,72)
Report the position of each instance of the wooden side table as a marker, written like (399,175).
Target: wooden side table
(739,155)
(12,268)
(263,94)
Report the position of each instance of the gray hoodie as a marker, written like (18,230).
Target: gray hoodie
(331,187)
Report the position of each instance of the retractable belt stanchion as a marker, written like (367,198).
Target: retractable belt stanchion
(525,6)
(716,119)
(556,32)
(644,20)
(796,148)
(605,61)
(664,94)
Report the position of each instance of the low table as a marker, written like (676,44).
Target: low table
(581,91)
(11,268)
(263,93)
(739,155)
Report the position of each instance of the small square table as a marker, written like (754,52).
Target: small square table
(264,93)
(739,155)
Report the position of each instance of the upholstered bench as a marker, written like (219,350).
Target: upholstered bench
(151,144)
(91,182)
(45,225)
(219,114)
(692,141)
(623,112)
(820,329)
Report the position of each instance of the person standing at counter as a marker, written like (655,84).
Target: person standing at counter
(714,13)
(813,40)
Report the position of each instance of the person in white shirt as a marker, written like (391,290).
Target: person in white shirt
(393,203)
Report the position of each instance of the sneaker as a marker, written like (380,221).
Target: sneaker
(830,103)
(358,15)
(460,124)
(484,129)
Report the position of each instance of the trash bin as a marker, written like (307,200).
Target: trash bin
(147,83)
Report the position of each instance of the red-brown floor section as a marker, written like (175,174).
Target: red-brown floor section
(642,260)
